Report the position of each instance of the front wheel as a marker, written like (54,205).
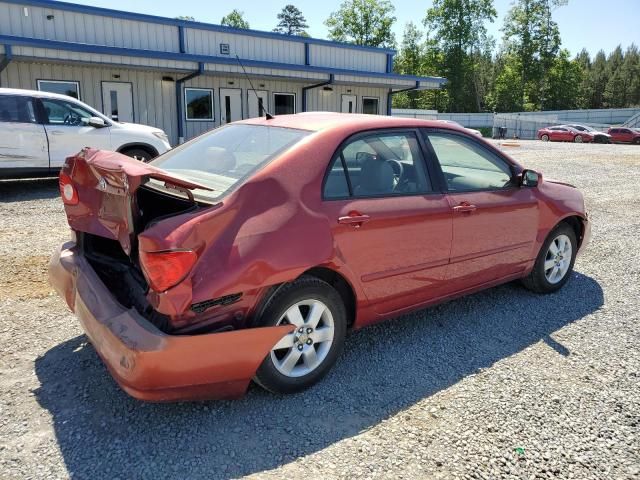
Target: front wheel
(578,139)
(138,154)
(555,261)
(304,356)
(544,138)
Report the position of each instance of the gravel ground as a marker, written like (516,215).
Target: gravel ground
(501,384)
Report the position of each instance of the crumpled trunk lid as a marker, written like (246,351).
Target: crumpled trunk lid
(106,183)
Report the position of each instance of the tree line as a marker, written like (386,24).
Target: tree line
(528,70)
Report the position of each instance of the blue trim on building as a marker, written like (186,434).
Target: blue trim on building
(305,89)
(188,57)
(181,39)
(389,63)
(391,92)
(179,84)
(307,54)
(107,12)
(8,56)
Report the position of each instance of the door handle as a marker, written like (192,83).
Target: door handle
(56,132)
(355,220)
(464,207)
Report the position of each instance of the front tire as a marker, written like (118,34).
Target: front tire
(138,154)
(304,356)
(554,263)
(578,139)
(544,138)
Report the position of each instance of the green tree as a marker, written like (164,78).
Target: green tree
(585,89)
(363,22)
(563,78)
(188,18)
(235,19)
(631,74)
(598,80)
(292,22)
(615,92)
(458,26)
(506,93)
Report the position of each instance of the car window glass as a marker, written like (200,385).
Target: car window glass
(378,164)
(60,112)
(468,166)
(18,109)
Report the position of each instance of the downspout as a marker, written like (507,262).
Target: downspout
(179,83)
(393,92)
(304,90)
(8,56)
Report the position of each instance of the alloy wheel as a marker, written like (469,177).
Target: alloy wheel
(558,259)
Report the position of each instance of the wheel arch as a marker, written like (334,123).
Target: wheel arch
(138,145)
(576,222)
(343,287)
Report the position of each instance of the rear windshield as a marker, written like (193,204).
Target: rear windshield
(223,158)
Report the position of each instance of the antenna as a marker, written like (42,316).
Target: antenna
(261,108)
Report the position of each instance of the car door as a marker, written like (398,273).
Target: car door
(390,225)
(68,131)
(625,135)
(495,222)
(23,142)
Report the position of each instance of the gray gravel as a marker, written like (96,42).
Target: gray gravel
(501,384)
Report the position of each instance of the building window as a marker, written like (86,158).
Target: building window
(370,105)
(69,88)
(199,104)
(284,103)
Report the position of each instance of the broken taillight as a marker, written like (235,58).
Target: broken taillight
(165,269)
(68,191)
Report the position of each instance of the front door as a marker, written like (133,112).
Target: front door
(254,99)
(117,101)
(230,105)
(495,222)
(348,104)
(23,142)
(391,227)
(68,131)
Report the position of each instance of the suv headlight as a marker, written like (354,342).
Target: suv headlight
(161,135)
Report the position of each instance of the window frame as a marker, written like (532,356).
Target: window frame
(213,105)
(77,84)
(433,159)
(43,118)
(432,179)
(367,97)
(34,106)
(291,94)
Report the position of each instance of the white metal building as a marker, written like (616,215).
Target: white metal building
(184,76)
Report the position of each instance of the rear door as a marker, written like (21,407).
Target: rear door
(67,129)
(23,142)
(495,222)
(390,224)
(625,135)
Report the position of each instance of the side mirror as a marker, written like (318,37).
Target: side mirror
(530,178)
(96,122)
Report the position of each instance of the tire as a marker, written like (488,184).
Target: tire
(636,141)
(577,139)
(544,138)
(303,359)
(139,154)
(541,279)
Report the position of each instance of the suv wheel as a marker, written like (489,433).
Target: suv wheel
(138,154)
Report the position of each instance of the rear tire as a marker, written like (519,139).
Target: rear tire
(303,357)
(577,139)
(555,260)
(544,138)
(636,141)
(138,154)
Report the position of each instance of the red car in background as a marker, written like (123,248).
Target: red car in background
(625,135)
(248,252)
(564,133)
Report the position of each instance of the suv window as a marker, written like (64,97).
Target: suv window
(61,112)
(16,108)
(382,164)
(468,166)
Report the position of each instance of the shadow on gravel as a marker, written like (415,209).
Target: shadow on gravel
(29,189)
(102,433)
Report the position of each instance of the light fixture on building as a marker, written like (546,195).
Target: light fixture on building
(50,17)
(230,82)
(262,85)
(327,89)
(167,79)
(116,75)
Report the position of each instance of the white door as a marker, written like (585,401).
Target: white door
(68,131)
(230,105)
(117,101)
(255,96)
(348,104)
(23,142)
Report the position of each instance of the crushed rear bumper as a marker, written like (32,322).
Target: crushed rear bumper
(147,363)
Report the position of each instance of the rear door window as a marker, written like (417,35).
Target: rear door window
(16,109)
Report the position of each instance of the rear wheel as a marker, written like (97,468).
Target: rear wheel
(636,141)
(138,154)
(554,263)
(544,138)
(304,356)
(577,139)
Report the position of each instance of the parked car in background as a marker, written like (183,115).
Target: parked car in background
(38,130)
(625,135)
(472,130)
(564,133)
(249,251)
(598,136)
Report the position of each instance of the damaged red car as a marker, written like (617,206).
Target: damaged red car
(250,251)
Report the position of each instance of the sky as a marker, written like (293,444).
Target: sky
(590,24)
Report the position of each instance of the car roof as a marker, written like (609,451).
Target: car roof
(317,121)
(34,93)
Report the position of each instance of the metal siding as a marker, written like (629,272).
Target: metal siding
(335,57)
(319,100)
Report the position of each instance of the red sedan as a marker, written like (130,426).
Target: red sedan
(564,133)
(250,251)
(625,135)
